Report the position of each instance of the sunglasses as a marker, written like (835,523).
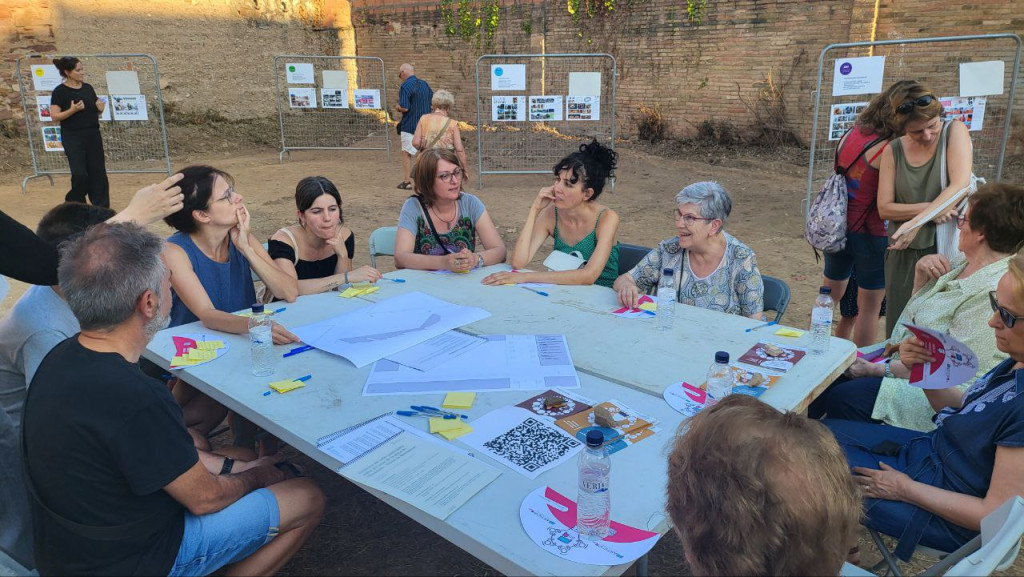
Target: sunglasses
(1004,315)
(911,104)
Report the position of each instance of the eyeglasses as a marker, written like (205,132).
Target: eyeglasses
(961,219)
(689,219)
(919,103)
(1004,315)
(228,195)
(450,176)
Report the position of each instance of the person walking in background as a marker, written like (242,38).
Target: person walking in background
(75,105)
(438,129)
(414,97)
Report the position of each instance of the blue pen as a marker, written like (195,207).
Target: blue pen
(761,326)
(424,415)
(298,350)
(531,289)
(652,313)
(436,411)
(303,379)
(280,310)
(393,279)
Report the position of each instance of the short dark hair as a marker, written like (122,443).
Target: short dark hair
(997,211)
(424,176)
(67,219)
(313,187)
(65,64)
(196,187)
(593,162)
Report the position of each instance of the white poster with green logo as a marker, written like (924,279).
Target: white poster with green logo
(299,73)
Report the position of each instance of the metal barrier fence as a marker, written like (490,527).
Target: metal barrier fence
(935,62)
(331,103)
(134,135)
(533,109)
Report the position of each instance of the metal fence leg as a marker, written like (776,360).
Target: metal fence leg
(641,566)
(24,183)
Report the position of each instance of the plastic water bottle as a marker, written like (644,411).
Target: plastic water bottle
(821,321)
(593,502)
(719,379)
(262,341)
(666,299)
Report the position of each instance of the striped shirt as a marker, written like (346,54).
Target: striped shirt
(415,96)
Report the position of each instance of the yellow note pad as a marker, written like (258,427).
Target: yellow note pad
(201,355)
(453,434)
(438,424)
(210,345)
(359,290)
(459,400)
(285,386)
(182,361)
(785,332)
(648,306)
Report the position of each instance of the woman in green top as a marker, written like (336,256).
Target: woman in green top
(909,185)
(568,212)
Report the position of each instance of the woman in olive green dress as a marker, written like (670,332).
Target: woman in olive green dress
(910,184)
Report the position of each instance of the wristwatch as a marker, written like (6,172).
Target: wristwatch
(480,263)
(229,464)
(888,369)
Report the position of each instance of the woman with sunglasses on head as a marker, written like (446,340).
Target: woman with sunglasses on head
(713,269)
(910,184)
(933,489)
(439,225)
(568,212)
(318,251)
(951,299)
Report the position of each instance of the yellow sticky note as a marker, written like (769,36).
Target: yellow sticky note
(785,332)
(285,386)
(438,424)
(648,306)
(182,361)
(453,434)
(200,355)
(359,290)
(459,400)
(209,345)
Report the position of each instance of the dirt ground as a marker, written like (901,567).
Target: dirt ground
(359,534)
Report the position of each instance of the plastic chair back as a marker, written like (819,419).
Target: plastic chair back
(776,296)
(630,255)
(382,242)
(1001,531)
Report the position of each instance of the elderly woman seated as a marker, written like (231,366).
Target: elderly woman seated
(933,489)
(951,300)
(712,269)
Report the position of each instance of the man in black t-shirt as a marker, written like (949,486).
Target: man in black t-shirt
(118,487)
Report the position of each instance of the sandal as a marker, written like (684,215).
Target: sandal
(405,185)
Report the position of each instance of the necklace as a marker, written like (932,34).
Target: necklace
(448,222)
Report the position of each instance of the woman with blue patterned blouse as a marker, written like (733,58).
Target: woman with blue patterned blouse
(712,269)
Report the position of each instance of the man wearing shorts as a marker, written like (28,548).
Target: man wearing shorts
(116,485)
(414,98)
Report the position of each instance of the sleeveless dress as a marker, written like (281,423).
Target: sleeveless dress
(585,247)
(914,184)
(229,284)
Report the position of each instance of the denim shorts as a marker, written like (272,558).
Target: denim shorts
(227,536)
(865,254)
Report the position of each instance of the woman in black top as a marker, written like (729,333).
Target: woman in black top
(75,105)
(318,251)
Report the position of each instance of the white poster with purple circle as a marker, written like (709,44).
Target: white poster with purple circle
(858,76)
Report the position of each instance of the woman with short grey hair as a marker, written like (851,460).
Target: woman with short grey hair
(712,269)
(438,129)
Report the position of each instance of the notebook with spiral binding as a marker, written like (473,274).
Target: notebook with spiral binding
(353,442)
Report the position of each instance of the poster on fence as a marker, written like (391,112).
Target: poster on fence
(130,107)
(51,139)
(981,78)
(861,75)
(583,107)
(105,115)
(45,77)
(508,77)
(123,82)
(367,99)
(333,98)
(335,79)
(297,73)
(545,108)
(43,108)
(302,97)
(508,108)
(970,111)
(842,117)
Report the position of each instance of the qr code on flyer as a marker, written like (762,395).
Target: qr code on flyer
(531,445)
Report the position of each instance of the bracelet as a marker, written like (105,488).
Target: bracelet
(888,369)
(480,262)
(229,464)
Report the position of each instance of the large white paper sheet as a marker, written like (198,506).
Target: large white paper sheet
(299,73)
(440,350)
(522,441)
(508,77)
(858,76)
(502,362)
(582,83)
(123,82)
(335,79)
(956,364)
(981,78)
(377,330)
(429,476)
(45,77)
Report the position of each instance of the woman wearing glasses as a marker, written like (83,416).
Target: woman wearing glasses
(439,225)
(948,299)
(568,212)
(910,184)
(712,269)
(933,489)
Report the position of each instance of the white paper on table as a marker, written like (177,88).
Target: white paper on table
(123,82)
(501,362)
(366,99)
(377,330)
(521,441)
(335,79)
(858,75)
(129,107)
(981,78)
(581,83)
(429,476)
(546,108)
(299,73)
(508,108)
(957,362)
(508,77)
(583,107)
(549,518)
(439,350)
(45,77)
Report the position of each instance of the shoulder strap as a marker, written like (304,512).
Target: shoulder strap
(862,153)
(430,223)
(943,169)
(438,136)
(598,221)
(295,245)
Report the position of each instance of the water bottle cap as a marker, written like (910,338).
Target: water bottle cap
(668,272)
(257,308)
(595,438)
(825,290)
(721,357)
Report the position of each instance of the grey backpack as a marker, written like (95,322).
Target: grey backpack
(825,228)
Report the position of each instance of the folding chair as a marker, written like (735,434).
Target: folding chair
(994,550)
(776,296)
(10,568)
(382,242)
(630,255)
